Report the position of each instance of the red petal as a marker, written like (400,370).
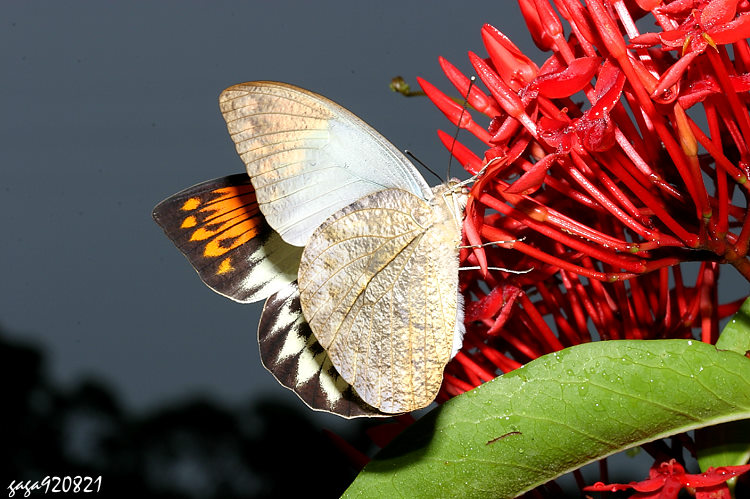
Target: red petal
(715,492)
(646,40)
(570,80)
(533,177)
(478,99)
(648,5)
(487,307)
(678,7)
(596,134)
(740,83)
(718,12)
(534,24)
(714,476)
(514,68)
(453,111)
(463,154)
(503,94)
(672,75)
(733,31)
(609,84)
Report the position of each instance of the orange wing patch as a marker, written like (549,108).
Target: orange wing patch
(225,266)
(218,226)
(227,218)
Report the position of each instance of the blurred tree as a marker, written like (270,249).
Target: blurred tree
(196,448)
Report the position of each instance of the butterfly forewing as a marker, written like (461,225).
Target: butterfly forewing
(309,157)
(218,226)
(378,284)
(291,353)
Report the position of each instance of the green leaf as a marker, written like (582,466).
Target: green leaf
(558,413)
(736,334)
(728,444)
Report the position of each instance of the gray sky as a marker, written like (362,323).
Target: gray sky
(109,108)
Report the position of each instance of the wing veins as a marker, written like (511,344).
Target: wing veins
(278,96)
(364,288)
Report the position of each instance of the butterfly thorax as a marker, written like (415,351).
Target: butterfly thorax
(448,204)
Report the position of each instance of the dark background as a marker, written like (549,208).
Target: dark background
(119,360)
(123,363)
(107,108)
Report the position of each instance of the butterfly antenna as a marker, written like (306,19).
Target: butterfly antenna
(412,156)
(460,117)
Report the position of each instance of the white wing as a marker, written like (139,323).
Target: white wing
(308,157)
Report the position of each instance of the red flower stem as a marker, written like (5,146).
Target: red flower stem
(740,248)
(643,167)
(741,56)
(720,179)
(645,128)
(554,308)
(477,374)
(592,300)
(551,341)
(562,187)
(584,182)
(732,127)
(502,362)
(651,287)
(632,325)
(455,386)
(616,45)
(738,109)
(625,133)
(538,211)
(655,205)
(694,299)
(356,458)
(631,266)
(571,226)
(708,298)
(718,155)
(574,307)
(726,309)
(640,303)
(519,342)
(620,197)
(606,305)
(586,300)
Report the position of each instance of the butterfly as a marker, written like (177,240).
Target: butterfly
(356,256)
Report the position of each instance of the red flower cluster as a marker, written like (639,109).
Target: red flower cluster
(666,479)
(620,158)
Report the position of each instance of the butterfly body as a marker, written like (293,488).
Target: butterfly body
(374,314)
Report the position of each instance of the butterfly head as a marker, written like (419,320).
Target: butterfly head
(451,198)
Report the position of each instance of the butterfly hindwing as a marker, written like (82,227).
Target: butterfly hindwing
(378,285)
(308,157)
(288,349)
(219,228)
